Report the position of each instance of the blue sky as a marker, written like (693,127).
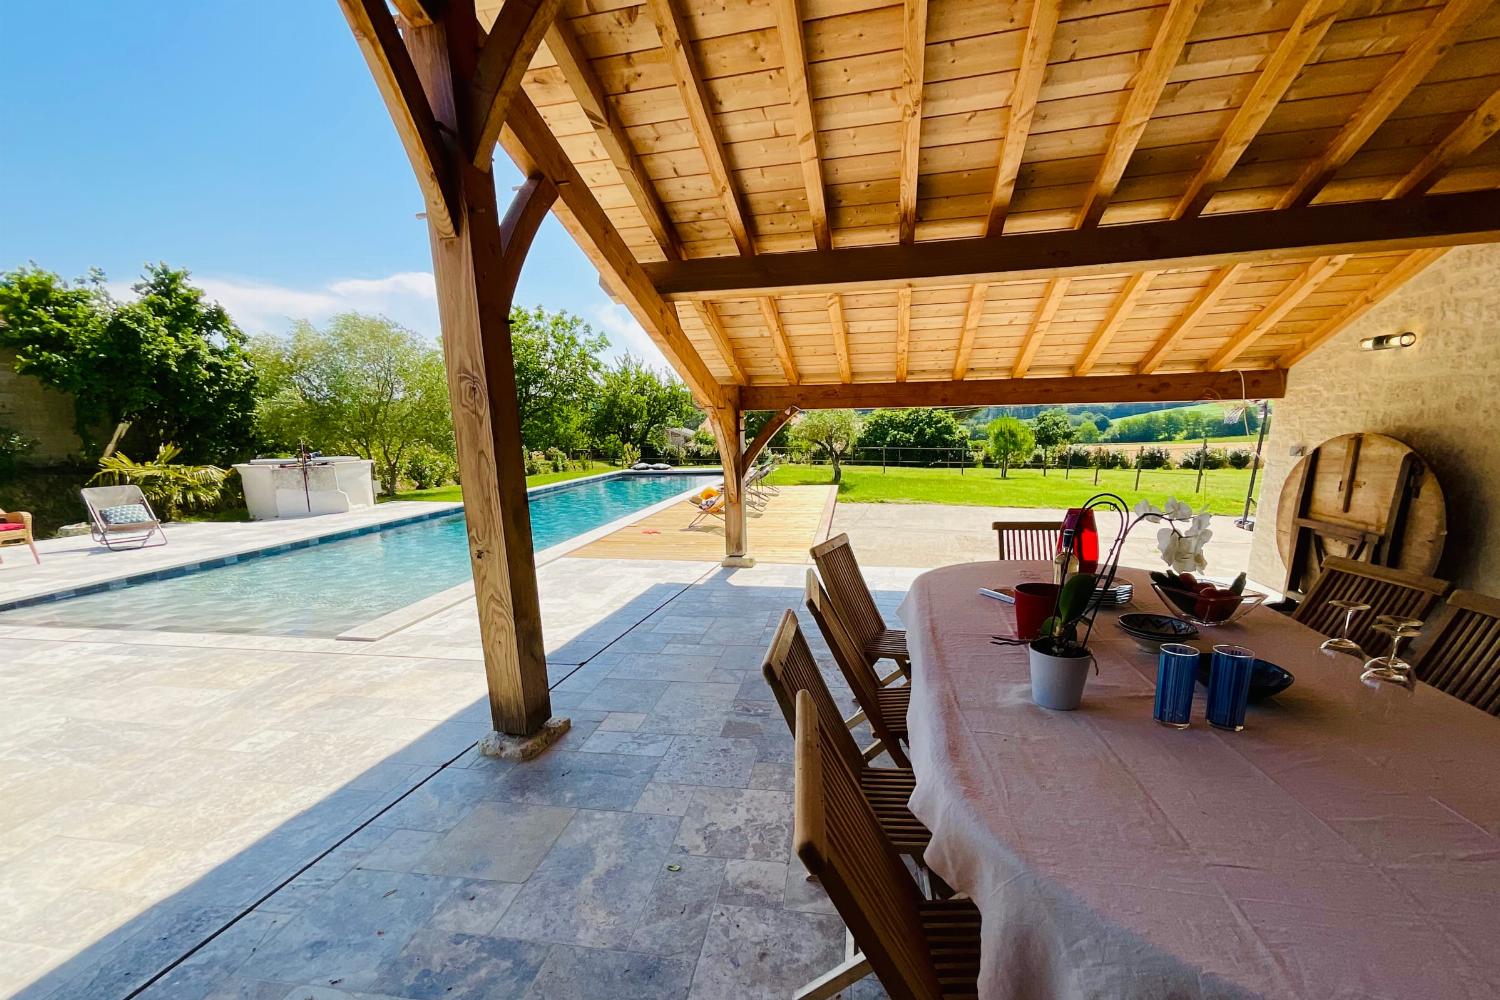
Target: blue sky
(244,141)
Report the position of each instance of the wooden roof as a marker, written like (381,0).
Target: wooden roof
(742,129)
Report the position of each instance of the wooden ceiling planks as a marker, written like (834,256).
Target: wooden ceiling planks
(760,128)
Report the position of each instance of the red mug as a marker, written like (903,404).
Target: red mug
(1034,604)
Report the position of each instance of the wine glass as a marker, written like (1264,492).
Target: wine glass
(1342,643)
(1391,669)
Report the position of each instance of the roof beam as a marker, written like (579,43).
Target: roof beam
(1135,286)
(1057,290)
(794,55)
(1415,64)
(1388,283)
(1472,133)
(401,88)
(696,100)
(503,60)
(779,338)
(1264,383)
(1041,25)
(840,329)
(573,62)
(903,332)
(972,312)
(1219,283)
(1292,53)
(1209,240)
(535,150)
(1309,281)
(913,64)
(1147,85)
(708,315)
(413,12)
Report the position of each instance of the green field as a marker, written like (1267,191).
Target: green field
(1223,489)
(440,494)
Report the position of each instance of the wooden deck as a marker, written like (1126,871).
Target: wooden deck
(781,533)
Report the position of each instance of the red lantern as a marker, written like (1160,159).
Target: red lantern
(1080,522)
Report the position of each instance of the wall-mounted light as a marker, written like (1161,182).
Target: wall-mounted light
(1388,342)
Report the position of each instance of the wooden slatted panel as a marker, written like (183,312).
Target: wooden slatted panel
(1027,539)
(859,670)
(1386,591)
(847,589)
(1464,658)
(839,840)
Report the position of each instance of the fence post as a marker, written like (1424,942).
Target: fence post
(1202,461)
(1068,472)
(1138,453)
(963,460)
(1096,473)
(882,460)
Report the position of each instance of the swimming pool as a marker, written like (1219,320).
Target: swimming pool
(329,588)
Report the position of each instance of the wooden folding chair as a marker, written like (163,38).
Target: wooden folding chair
(882,705)
(1028,539)
(1387,591)
(1464,657)
(856,605)
(919,948)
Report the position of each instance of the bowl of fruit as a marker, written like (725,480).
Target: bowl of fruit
(1205,602)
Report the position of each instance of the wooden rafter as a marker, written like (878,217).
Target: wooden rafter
(1219,283)
(708,315)
(1388,283)
(413,12)
(1394,87)
(799,92)
(531,144)
(1040,28)
(1135,286)
(972,313)
(903,332)
(779,339)
(1145,91)
(840,328)
(1472,133)
(1260,383)
(1208,240)
(1309,281)
(1057,290)
(503,59)
(699,107)
(1292,53)
(573,63)
(913,64)
(395,75)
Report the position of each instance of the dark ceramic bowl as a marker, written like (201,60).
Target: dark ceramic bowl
(1150,631)
(1266,679)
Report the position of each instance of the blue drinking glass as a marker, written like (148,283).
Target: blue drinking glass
(1176,671)
(1229,686)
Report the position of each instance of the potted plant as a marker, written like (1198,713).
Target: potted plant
(1060,660)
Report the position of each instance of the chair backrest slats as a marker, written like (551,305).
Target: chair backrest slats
(1027,539)
(789,668)
(848,589)
(1464,657)
(840,841)
(857,668)
(1387,591)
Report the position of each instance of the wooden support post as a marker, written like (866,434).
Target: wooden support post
(726,422)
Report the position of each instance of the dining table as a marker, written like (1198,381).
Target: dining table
(1345,843)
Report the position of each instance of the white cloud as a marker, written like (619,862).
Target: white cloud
(626,335)
(408,297)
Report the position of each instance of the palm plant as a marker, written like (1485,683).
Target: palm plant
(169,486)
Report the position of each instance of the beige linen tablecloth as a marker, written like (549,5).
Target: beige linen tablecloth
(1346,844)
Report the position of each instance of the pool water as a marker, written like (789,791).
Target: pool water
(327,589)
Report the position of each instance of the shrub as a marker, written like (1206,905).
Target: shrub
(12,446)
(170,487)
(1214,458)
(557,460)
(629,455)
(1108,458)
(1154,458)
(428,467)
(536,463)
(1073,456)
(1241,458)
(674,454)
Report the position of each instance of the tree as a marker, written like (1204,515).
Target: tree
(1010,441)
(557,373)
(171,364)
(1086,432)
(362,384)
(635,404)
(914,428)
(833,432)
(1053,431)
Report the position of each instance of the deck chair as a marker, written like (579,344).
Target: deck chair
(881,703)
(1028,539)
(709,502)
(925,949)
(15,529)
(753,490)
(121,517)
(1464,657)
(1387,591)
(856,605)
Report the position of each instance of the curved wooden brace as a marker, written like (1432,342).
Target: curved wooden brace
(519,227)
(503,61)
(776,423)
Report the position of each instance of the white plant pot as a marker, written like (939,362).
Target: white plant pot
(1057,681)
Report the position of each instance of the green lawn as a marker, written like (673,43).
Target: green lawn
(450,493)
(1223,493)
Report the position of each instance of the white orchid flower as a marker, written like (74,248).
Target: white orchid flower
(1146,507)
(1201,523)
(1177,510)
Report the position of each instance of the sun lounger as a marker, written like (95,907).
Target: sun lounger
(15,529)
(122,517)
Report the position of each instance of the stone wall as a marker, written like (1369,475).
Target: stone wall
(40,413)
(1439,397)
